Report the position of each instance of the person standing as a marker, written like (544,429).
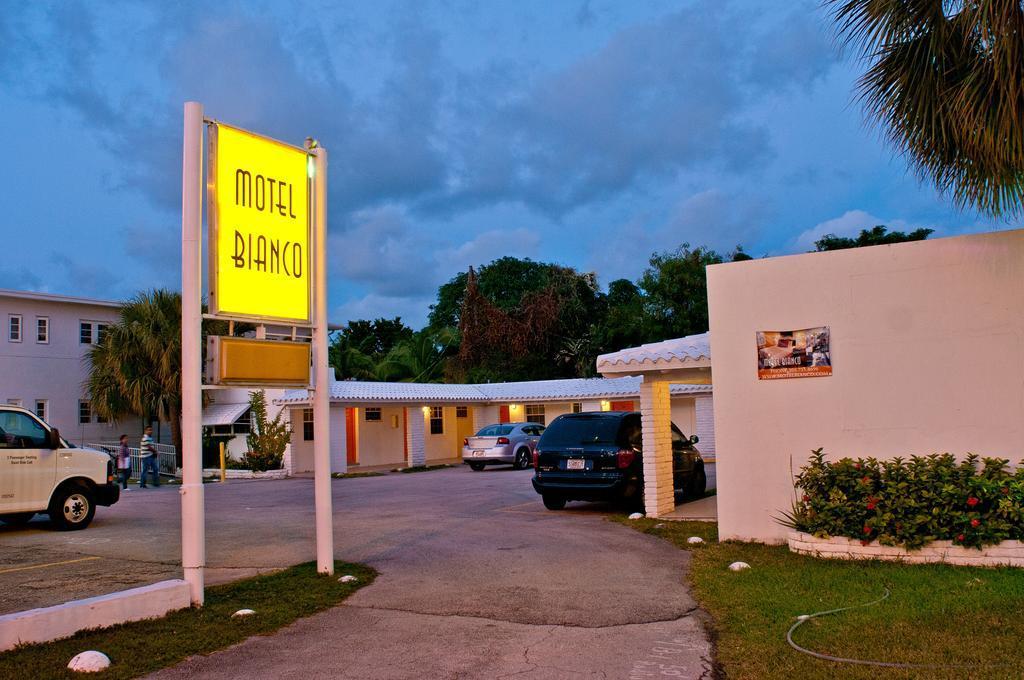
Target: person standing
(124,462)
(147,454)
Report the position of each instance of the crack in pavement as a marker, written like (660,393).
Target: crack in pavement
(686,614)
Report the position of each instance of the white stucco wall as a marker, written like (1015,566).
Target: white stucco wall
(445,445)
(55,371)
(684,415)
(926,351)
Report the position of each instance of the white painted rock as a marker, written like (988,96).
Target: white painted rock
(694,540)
(242,612)
(89,662)
(637,515)
(347,578)
(738,566)
(659,525)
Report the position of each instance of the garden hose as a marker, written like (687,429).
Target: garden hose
(804,618)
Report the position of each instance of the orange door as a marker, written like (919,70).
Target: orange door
(351,438)
(503,413)
(622,406)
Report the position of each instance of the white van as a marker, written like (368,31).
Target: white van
(41,472)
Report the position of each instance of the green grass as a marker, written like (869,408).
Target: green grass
(145,646)
(936,614)
(352,475)
(423,468)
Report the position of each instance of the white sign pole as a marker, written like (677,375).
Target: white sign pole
(321,382)
(193,528)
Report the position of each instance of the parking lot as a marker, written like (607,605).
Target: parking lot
(479,547)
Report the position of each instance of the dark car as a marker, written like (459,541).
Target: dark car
(598,457)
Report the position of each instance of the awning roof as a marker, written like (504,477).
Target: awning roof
(569,389)
(692,351)
(223,414)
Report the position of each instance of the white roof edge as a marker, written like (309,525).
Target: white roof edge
(53,297)
(691,349)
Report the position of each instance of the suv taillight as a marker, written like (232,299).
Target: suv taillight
(536,460)
(624,458)
(503,440)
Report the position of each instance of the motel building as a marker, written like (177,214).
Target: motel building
(390,425)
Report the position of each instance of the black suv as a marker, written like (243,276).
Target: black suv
(598,457)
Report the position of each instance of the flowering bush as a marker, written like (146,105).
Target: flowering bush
(910,503)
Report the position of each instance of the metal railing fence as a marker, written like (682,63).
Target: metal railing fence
(167,461)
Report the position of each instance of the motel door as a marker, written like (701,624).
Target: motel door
(622,406)
(351,437)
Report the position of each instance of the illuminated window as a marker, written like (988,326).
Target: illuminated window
(372,414)
(307,424)
(436,420)
(535,413)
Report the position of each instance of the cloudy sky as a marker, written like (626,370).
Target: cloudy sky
(584,132)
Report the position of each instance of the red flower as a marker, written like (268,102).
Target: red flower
(871,506)
(867,530)
(960,538)
(975,523)
(1005,490)
(972,501)
(856,466)
(806,498)
(865,479)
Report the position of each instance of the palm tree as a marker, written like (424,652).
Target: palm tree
(135,369)
(420,358)
(946,82)
(349,360)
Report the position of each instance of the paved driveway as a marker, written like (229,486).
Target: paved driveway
(476,580)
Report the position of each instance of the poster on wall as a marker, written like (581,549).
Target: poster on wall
(805,353)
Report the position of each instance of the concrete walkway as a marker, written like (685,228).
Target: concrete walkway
(478,580)
(701,510)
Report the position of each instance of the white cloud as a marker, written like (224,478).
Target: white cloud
(849,223)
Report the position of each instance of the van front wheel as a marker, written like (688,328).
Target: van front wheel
(72,508)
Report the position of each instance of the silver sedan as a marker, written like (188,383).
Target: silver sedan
(502,443)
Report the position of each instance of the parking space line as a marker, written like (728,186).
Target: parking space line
(48,564)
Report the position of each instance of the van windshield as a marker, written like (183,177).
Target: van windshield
(577,431)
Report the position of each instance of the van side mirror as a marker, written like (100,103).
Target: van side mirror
(54,438)
(694,439)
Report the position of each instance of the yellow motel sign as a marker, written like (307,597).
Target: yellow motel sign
(259,218)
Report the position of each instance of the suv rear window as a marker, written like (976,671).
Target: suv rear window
(580,430)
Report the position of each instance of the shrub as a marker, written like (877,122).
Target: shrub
(910,503)
(267,438)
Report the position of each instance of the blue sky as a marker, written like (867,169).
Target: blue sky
(588,133)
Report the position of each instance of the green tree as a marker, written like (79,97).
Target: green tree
(349,361)
(376,338)
(420,358)
(876,236)
(946,82)
(135,368)
(675,288)
(267,438)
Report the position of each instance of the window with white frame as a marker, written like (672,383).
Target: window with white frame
(43,329)
(577,407)
(461,411)
(84,412)
(14,327)
(372,414)
(436,420)
(42,408)
(307,424)
(101,331)
(85,332)
(535,413)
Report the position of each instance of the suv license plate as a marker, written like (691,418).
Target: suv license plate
(575,464)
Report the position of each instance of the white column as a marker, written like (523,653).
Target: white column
(480,417)
(321,381)
(656,411)
(339,440)
(706,425)
(193,522)
(417,436)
